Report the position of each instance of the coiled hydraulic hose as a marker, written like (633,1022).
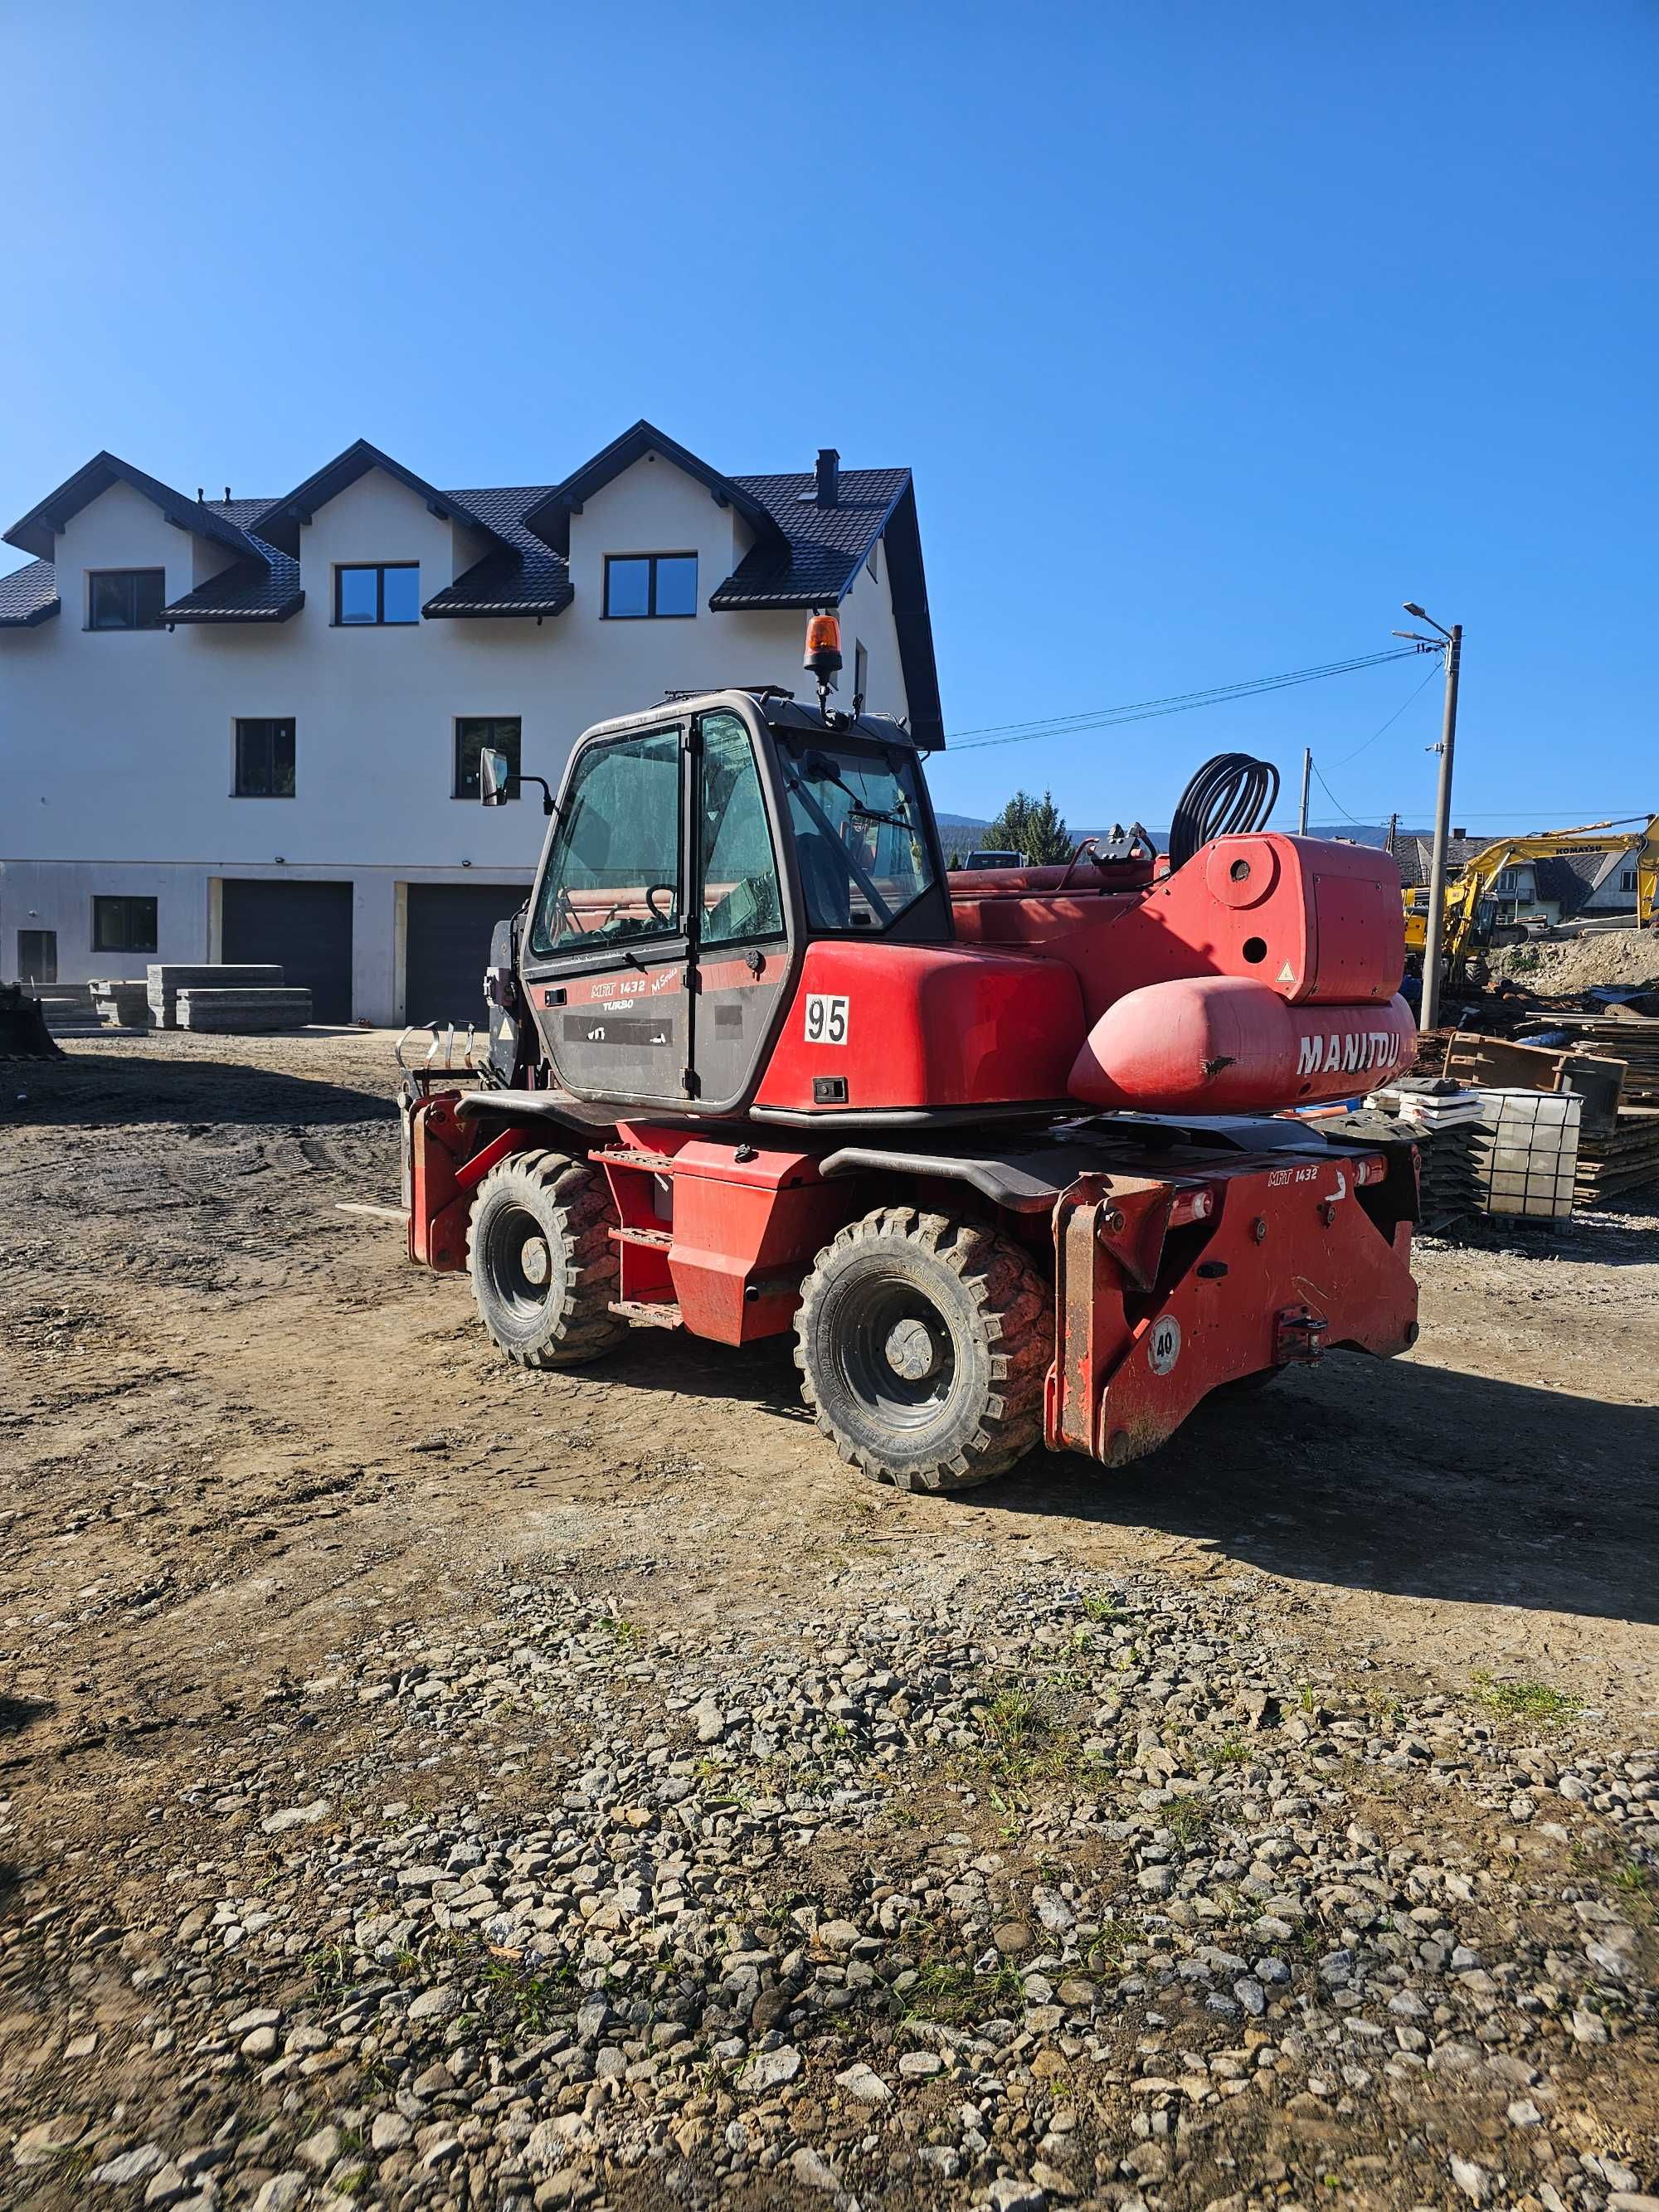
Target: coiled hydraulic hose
(1230,795)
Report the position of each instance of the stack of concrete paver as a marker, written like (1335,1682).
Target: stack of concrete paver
(245,1011)
(1446,1120)
(165,982)
(120,1005)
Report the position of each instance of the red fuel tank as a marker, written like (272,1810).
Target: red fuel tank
(1224,1044)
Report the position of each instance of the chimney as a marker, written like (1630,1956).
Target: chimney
(1459,833)
(227,495)
(201,494)
(829,477)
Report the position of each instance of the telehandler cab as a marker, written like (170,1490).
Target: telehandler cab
(1009,1152)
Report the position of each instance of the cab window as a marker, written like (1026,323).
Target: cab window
(614,872)
(741,900)
(855,815)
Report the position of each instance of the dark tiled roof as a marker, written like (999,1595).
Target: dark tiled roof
(280,524)
(823,551)
(28,596)
(823,546)
(524,576)
(1591,867)
(265,588)
(1563,877)
(38,527)
(550,518)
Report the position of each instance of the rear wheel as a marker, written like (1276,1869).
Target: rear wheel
(922,1345)
(543,1267)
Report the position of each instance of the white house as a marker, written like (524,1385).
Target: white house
(248,729)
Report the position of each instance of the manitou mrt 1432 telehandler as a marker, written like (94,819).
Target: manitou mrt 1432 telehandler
(1008,1152)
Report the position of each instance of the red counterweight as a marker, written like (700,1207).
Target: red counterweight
(1219,1044)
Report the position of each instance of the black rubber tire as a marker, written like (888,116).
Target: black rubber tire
(965,1300)
(565,1206)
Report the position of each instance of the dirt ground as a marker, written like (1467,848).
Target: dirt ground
(240,1431)
(237,1420)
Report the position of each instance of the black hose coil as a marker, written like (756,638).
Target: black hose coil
(1230,796)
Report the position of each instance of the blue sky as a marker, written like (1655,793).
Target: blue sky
(1212,333)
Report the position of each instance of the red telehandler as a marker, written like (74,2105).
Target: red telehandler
(1010,1153)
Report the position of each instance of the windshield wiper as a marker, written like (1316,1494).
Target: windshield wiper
(817,769)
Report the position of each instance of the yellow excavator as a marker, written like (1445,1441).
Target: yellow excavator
(1471,907)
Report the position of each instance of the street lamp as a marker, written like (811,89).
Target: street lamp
(1453,651)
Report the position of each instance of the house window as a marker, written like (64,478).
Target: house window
(1508,882)
(637,584)
(1628,879)
(472,734)
(860,674)
(265,759)
(125,598)
(124,925)
(378,596)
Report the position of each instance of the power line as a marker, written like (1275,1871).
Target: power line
(1504,813)
(1337,803)
(1416,691)
(1179,702)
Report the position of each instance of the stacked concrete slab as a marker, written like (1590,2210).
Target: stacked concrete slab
(165,982)
(249,1011)
(120,1005)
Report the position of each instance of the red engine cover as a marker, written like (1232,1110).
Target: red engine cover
(909,1026)
(1223,1044)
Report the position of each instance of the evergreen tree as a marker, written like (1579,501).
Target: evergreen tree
(1034,827)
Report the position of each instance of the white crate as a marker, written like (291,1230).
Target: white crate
(1526,1155)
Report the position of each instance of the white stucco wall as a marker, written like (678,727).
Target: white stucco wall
(117,747)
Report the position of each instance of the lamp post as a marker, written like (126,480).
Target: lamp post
(1452,649)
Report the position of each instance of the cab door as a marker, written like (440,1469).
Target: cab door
(742,949)
(606,955)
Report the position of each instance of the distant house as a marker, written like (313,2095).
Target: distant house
(1558,889)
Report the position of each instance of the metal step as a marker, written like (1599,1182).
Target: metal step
(650,1316)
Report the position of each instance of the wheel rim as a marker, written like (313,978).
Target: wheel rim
(520,1263)
(895,1351)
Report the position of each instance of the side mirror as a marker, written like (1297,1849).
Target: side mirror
(495,774)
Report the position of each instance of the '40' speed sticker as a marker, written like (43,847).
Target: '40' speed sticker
(826,1018)
(1164,1349)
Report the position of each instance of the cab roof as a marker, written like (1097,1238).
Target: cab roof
(780,712)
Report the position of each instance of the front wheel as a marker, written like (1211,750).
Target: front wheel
(543,1265)
(923,1344)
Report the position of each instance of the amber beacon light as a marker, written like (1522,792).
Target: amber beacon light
(822,646)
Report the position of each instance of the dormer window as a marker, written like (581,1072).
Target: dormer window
(638,585)
(125,598)
(377,596)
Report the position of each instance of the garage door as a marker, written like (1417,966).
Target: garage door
(306,927)
(447,947)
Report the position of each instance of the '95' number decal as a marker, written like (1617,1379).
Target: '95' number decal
(826,1019)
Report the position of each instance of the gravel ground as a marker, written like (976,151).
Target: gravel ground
(1559,967)
(428,1785)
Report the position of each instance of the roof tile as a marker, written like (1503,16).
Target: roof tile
(28,596)
(826,545)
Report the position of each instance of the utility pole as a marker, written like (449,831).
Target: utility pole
(1307,770)
(1453,652)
